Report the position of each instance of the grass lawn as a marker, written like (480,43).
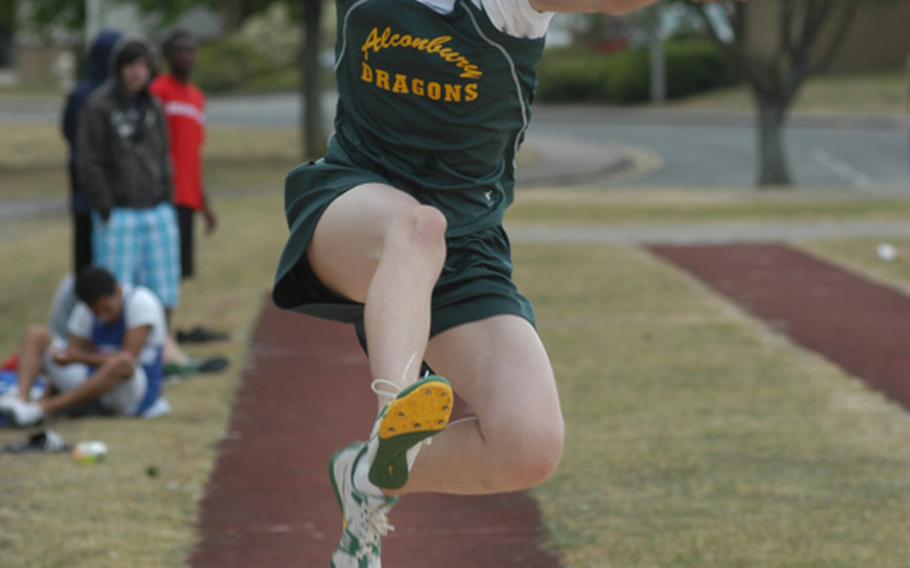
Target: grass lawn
(565,207)
(696,437)
(865,93)
(33,160)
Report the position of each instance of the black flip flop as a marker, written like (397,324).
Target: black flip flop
(47,441)
(200,334)
(213,365)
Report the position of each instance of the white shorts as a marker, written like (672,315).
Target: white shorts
(123,400)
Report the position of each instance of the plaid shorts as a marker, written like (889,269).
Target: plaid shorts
(141,247)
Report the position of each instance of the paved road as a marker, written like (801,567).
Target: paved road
(699,150)
(684,149)
(696,150)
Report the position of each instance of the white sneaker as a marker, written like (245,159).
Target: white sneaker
(10,393)
(21,413)
(364,516)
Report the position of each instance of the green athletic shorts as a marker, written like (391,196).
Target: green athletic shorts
(476,280)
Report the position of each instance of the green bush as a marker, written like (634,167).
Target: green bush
(576,75)
(628,80)
(696,67)
(230,64)
(233,65)
(569,75)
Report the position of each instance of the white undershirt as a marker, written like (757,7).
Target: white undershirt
(514,17)
(140,307)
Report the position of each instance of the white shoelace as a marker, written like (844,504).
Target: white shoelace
(393,389)
(371,525)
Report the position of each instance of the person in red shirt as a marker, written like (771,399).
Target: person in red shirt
(184,108)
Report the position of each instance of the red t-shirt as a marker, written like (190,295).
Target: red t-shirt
(184,107)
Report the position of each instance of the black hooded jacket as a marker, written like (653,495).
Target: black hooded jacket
(123,163)
(99,66)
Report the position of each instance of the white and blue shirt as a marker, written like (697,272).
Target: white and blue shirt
(140,308)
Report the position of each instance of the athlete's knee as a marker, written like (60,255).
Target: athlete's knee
(531,452)
(540,456)
(421,227)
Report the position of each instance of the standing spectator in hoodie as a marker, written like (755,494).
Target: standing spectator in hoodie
(124,168)
(99,64)
(184,107)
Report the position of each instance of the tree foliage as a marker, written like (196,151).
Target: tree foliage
(43,14)
(807,34)
(804,40)
(70,14)
(7,13)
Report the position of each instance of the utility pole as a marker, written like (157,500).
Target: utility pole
(658,69)
(312,132)
(652,22)
(94,19)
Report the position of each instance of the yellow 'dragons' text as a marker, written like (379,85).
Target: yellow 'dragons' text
(401,84)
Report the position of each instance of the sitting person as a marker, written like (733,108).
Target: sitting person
(114,355)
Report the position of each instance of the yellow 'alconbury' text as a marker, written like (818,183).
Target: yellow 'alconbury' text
(377,42)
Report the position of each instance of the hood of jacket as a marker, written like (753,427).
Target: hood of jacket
(113,69)
(100,55)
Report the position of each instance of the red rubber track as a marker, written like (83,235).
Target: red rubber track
(862,326)
(270,503)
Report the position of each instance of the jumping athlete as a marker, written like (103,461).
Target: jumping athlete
(398,231)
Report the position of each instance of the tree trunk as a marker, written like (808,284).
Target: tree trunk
(774,168)
(658,70)
(312,133)
(233,13)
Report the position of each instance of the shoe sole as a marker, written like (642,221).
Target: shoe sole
(418,412)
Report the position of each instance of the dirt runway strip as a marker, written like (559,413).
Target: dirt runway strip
(269,503)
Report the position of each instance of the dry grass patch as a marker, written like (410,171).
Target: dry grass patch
(33,161)
(873,93)
(36,146)
(592,207)
(31,146)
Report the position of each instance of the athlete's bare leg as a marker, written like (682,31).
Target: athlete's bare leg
(498,366)
(379,246)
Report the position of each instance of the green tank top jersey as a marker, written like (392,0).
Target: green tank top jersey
(437,104)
